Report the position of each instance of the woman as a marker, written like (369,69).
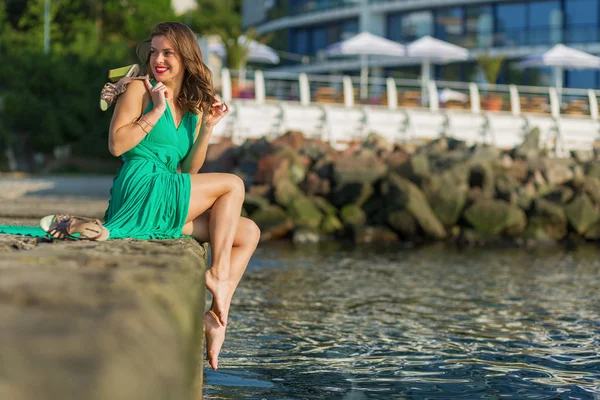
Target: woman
(161,127)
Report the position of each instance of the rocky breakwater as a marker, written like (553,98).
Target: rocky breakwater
(115,320)
(441,191)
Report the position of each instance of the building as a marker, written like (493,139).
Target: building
(505,27)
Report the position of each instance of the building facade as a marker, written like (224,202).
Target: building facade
(509,28)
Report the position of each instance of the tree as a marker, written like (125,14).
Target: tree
(491,66)
(223,18)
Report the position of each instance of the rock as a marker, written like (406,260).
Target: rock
(377,143)
(306,236)
(312,184)
(531,144)
(404,194)
(304,213)
(273,222)
(102,320)
(353,216)
(272,169)
(331,225)
(496,217)
(482,175)
(447,194)
(253,202)
(548,221)
(559,195)
(583,156)
(519,170)
(376,210)
(352,193)
(396,158)
(484,155)
(591,186)
(416,169)
(324,166)
(324,206)
(375,234)
(220,157)
(260,190)
(292,139)
(593,233)
(557,172)
(363,167)
(405,224)
(593,169)
(582,213)
(286,192)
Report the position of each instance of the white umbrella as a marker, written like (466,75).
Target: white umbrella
(434,51)
(365,44)
(562,57)
(257,52)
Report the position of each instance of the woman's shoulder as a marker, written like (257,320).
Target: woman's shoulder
(135,93)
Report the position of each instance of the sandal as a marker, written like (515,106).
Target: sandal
(111,90)
(60,227)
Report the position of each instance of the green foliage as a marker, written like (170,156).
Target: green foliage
(491,66)
(223,18)
(52,100)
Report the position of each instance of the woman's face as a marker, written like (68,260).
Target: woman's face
(165,62)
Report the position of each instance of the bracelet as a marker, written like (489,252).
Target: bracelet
(140,125)
(147,122)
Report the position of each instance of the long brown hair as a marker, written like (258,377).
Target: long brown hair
(197,92)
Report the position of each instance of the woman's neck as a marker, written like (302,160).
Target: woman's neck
(174,86)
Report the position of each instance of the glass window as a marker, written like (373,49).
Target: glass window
(415,25)
(449,25)
(394,27)
(545,22)
(581,21)
(479,26)
(301,41)
(511,24)
(583,79)
(349,28)
(319,39)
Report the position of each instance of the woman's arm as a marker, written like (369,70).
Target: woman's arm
(192,163)
(195,158)
(124,132)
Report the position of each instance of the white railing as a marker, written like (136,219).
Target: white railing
(330,107)
(326,89)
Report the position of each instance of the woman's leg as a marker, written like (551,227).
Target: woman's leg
(224,194)
(245,241)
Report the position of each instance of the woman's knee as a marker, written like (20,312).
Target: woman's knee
(236,184)
(249,232)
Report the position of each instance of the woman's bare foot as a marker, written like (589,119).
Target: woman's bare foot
(215,336)
(222,293)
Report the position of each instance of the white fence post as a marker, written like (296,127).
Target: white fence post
(475,99)
(554,102)
(392,93)
(434,100)
(304,89)
(593,104)
(515,102)
(226,85)
(348,91)
(259,87)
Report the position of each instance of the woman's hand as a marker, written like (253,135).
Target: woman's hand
(215,114)
(159,94)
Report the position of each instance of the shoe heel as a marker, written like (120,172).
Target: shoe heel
(46,222)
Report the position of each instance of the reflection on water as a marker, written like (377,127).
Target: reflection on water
(333,322)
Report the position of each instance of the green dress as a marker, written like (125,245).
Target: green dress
(148,199)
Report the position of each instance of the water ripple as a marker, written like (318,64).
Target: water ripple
(332,322)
